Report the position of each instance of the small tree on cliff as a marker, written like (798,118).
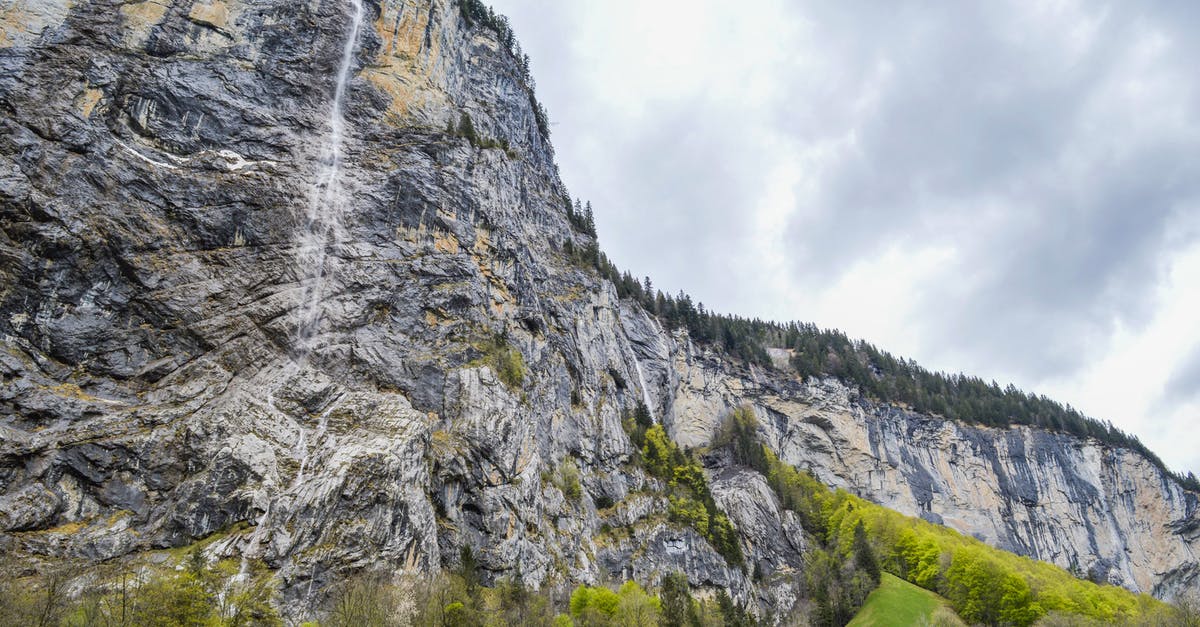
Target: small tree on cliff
(466,128)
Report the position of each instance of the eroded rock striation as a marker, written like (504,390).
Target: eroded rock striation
(167,215)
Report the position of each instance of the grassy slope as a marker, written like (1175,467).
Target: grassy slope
(897,603)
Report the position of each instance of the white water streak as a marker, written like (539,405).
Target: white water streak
(321,231)
(254,548)
(324,229)
(645,390)
(306,448)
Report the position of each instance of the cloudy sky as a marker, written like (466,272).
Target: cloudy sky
(1010,190)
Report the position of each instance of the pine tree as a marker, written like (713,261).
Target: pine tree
(466,128)
(864,555)
(589,220)
(676,600)
(469,570)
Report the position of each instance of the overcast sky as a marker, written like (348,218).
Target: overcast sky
(1010,190)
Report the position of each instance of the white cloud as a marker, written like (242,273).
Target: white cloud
(1005,189)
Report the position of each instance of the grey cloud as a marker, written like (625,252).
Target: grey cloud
(673,188)
(685,181)
(982,127)
(980,113)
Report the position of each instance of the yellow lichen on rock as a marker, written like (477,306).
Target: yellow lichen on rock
(483,241)
(402,31)
(139,19)
(22,21)
(445,243)
(213,13)
(404,68)
(87,101)
(11,23)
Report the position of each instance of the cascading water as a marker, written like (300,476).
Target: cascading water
(323,228)
(645,390)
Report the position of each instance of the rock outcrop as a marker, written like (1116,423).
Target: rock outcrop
(1102,512)
(167,213)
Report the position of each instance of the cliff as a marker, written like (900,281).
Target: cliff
(248,277)
(1102,512)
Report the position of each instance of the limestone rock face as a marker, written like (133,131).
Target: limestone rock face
(1096,510)
(227,304)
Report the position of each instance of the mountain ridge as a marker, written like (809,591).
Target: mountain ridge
(151,196)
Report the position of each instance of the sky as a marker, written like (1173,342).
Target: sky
(1005,189)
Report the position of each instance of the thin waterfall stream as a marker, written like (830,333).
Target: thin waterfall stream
(322,230)
(645,390)
(323,226)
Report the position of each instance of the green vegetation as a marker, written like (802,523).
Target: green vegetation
(506,361)
(741,338)
(566,479)
(630,605)
(451,600)
(841,571)
(585,254)
(198,594)
(466,130)
(581,218)
(680,609)
(475,12)
(898,603)
(691,500)
(582,255)
(983,584)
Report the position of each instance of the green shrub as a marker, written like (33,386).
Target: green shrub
(691,503)
(510,367)
(636,606)
(658,453)
(455,613)
(200,594)
(688,512)
(630,605)
(365,600)
(504,360)
(466,128)
(568,481)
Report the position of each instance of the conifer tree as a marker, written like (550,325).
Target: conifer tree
(589,220)
(676,600)
(864,555)
(466,128)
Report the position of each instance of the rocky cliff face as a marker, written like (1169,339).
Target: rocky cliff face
(1102,512)
(237,288)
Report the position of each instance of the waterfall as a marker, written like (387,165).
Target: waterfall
(323,228)
(321,231)
(303,445)
(254,548)
(637,365)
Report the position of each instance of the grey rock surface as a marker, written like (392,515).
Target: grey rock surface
(158,161)
(1104,512)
